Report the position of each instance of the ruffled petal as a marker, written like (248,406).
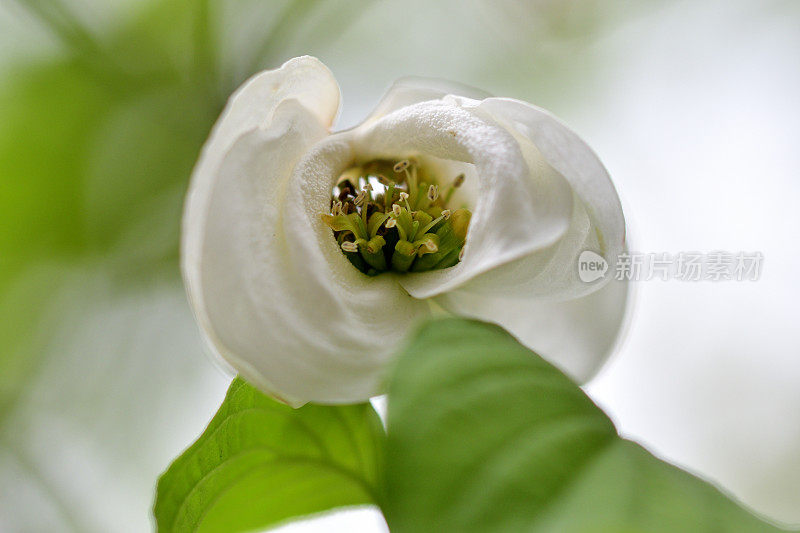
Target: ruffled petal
(597,221)
(275,299)
(576,335)
(522,204)
(540,297)
(304,79)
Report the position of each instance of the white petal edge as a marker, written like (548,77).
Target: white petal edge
(522,206)
(414,89)
(305,79)
(279,315)
(576,335)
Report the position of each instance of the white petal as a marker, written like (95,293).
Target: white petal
(304,79)
(540,297)
(547,274)
(412,90)
(522,204)
(277,300)
(576,335)
(597,222)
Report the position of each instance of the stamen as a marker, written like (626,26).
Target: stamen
(388,197)
(362,195)
(400,166)
(411,179)
(433,193)
(404,198)
(429,226)
(458,182)
(380,227)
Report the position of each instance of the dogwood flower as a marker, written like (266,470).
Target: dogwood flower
(309,255)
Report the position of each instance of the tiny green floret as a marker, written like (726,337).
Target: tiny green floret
(399,224)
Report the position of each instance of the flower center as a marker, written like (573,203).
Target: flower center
(393,216)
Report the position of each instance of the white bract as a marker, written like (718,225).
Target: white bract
(274,291)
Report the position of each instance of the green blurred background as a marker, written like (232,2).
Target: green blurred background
(104,106)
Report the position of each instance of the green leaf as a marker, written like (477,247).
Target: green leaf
(260,463)
(485,436)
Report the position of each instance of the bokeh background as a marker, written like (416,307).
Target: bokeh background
(692,105)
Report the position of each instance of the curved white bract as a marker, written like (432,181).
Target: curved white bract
(278,300)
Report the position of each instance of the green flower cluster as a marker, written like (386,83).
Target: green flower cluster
(399,225)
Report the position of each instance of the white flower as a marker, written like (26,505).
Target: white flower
(271,285)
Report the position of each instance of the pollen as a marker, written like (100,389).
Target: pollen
(397,225)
